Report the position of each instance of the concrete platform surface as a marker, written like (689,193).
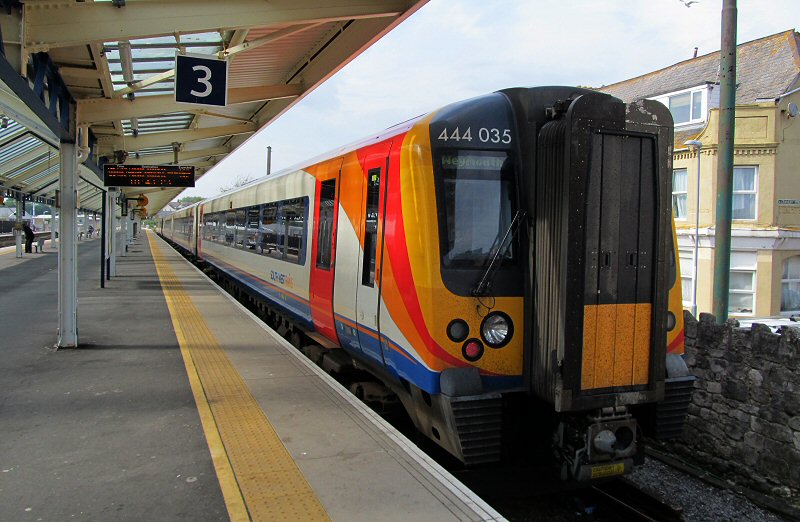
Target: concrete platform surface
(111,430)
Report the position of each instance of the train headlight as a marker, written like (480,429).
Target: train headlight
(497,329)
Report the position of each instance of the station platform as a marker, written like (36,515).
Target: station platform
(180,405)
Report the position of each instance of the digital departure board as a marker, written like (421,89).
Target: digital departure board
(148,176)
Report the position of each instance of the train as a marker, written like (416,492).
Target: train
(505,266)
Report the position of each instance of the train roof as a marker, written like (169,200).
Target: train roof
(394,130)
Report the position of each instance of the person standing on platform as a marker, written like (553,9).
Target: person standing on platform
(29,235)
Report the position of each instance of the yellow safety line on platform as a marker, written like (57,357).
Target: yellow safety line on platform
(257,475)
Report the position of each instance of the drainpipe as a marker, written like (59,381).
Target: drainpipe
(698,145)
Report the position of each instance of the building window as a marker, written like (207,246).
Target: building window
(679,183)
(745,181)
(742,292)
(687,276)
(686,106)
(790,285)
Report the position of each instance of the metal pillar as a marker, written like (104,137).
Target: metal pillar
(53,226)
(112,231)
(103,241)
(68,248)
(727,119)
(18,226)
(124,250)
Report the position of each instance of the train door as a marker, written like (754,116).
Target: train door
(323,249)
(621,251)
(200,223)
(375,164)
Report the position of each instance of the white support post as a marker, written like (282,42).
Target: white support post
(124,249)
(18,227)
(68,248)
(112,231)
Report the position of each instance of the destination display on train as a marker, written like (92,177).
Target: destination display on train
(483,161)
(148,176)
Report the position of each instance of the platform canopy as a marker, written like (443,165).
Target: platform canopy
(108,66)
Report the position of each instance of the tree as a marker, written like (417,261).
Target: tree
(190,200)
(240,181)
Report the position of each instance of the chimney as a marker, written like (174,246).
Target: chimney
(695,53)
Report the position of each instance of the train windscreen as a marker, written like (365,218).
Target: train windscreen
(479,205)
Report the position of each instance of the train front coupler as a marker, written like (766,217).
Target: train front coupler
(600,444)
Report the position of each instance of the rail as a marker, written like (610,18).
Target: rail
(634,503)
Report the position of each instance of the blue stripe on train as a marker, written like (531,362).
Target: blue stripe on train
(365,343)
(296,307)
(402,365)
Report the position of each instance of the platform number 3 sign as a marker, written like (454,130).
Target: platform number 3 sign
(201,79)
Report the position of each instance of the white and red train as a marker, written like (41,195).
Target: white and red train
(503,253)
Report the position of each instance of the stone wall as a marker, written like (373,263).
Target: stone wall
(744,423)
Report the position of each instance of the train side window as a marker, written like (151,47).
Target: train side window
(292,229)
(325,232)
(253,220)
(241,222)
(230,227)
(371,227)
(211,228)
(268,242)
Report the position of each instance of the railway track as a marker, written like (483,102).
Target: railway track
(525,493)
(632,503)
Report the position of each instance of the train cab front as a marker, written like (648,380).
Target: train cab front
(461,219)
(540,262)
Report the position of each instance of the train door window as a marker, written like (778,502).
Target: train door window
(292,229)
(371,227)
(268,244)
(325,232)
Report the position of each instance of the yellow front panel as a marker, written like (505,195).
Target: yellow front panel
(623,352)
(589,338)
(642,339)
(616,345)
(604,346)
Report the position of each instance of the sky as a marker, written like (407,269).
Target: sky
(451,50)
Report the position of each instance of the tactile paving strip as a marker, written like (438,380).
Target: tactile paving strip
(263,474)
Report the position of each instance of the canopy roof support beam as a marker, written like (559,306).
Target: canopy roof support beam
(98,110)
(161,159)
(229,52)
(50,24)
(109,144)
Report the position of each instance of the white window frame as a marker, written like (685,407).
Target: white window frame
(684,193)
(788,280)
(753,192)
(693,119)
(686,272)
(744,261)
